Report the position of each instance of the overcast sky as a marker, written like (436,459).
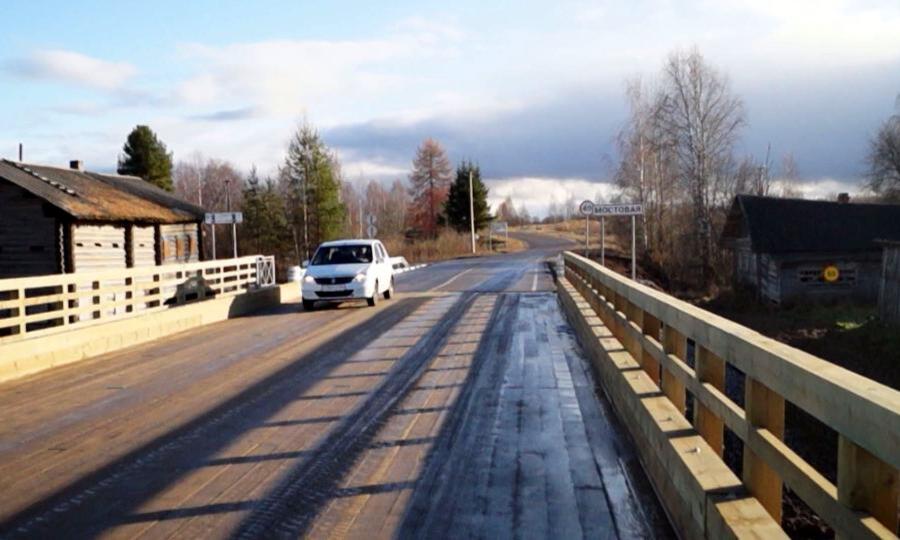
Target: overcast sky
(533,91)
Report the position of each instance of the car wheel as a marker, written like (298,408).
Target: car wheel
(309,305)
(390,291)
(372,300)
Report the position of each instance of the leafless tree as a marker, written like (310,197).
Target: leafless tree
(789,177)
(705,119)
(646,171)
(213,184)
(884,159)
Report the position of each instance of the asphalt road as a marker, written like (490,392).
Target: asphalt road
(461,408)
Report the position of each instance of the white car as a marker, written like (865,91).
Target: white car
(347,270)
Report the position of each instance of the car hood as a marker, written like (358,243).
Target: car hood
(336,270)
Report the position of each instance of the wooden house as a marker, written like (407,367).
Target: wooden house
(57,220)
(889,291)
(794,250)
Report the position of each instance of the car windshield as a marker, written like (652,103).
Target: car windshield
(348,254)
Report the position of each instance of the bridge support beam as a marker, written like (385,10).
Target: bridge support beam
(675,345)
(710,369)
(764,409)
(866,483)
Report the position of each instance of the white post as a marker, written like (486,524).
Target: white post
(213,227)
(633,264)
(603,240)
(234,239)
(472,211)
(587,232)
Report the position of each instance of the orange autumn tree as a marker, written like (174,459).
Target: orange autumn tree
(429,184)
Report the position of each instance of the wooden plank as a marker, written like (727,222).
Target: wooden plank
(709,369)
(675,344)
(867,483)
(651,328)
(764,409)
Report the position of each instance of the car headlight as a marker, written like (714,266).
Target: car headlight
(360,277)
(309,279)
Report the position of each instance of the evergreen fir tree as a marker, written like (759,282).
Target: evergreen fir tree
(457,205)
(144,155)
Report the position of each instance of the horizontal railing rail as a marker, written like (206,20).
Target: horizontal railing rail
(659,331)
(39,305)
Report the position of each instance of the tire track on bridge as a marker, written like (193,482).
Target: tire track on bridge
(290,509)
(91,504)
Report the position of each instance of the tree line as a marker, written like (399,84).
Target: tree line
(676,155)
(308,201)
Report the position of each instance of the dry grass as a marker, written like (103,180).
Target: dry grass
(448,245)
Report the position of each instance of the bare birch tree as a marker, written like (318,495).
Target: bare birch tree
(705,118)
(884,159)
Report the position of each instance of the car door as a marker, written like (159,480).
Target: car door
(385,272)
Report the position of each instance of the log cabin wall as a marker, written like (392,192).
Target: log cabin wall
(143,245)
(889,294)
(98,247)
(28,234)
(179,243)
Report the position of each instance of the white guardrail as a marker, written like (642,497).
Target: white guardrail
(32,306)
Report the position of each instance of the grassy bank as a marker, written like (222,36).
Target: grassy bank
(448,245)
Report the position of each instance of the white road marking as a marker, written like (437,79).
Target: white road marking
(451,280)
(534,282)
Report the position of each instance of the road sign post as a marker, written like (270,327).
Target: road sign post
(633,243)
(588,208)
(603,241)
(224,218)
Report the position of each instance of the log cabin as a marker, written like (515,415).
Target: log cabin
(797,251)
(58,220)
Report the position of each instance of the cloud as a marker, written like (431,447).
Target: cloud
(568,136)
(228,115)
(537,193)
(73,68)
(334,77)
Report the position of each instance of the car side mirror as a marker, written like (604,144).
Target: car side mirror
(304,264)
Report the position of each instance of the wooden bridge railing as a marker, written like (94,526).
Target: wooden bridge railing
(659,331)
(33,306)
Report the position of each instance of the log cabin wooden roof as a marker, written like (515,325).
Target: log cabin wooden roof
(100,197)
(776,225)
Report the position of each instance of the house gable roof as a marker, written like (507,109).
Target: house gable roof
(100,197)
(777,225)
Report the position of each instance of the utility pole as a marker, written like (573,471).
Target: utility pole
(471,211)
(233,224)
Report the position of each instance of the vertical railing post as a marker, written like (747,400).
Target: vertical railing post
(20,292)
(764,409)
(709,368)
(650,326)
(674,343)
(866,483)
(633,344)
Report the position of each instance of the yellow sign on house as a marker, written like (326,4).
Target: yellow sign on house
(831,273)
